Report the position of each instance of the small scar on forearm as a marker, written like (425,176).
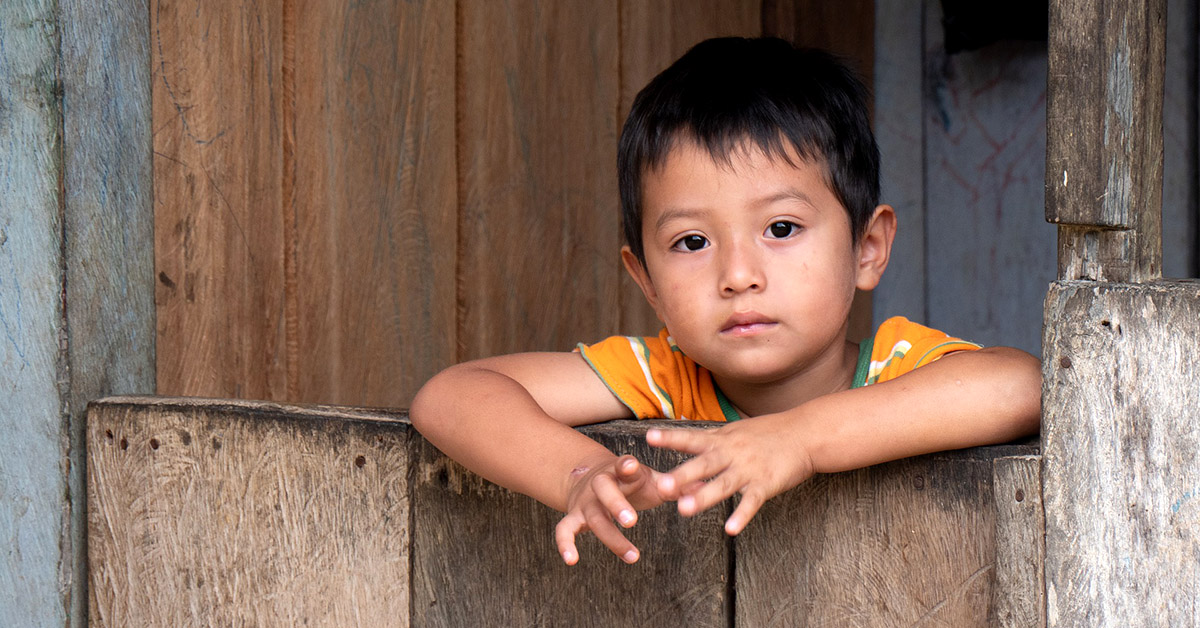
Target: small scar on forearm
(578,471)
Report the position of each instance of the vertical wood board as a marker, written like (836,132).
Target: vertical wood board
(374,200)
(1181,141)
(243,513)
(483,555)
(653,35)
(1104,147)
(989,253)
(905,543)
(1120,447)
(537,108)
(219,237)
(1020,593)
(899,116)
(109,229)
(33,513)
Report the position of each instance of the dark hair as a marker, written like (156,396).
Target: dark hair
(726,92)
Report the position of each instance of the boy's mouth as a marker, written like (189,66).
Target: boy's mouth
(746,324)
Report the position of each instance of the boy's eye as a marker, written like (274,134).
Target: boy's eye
(782,229)
(690,243)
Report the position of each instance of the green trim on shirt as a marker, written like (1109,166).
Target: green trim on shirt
(730,412)
(864,363)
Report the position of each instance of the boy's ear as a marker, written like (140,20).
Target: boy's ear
(875,247)
(640,276)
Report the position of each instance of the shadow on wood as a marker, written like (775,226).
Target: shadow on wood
(230,512)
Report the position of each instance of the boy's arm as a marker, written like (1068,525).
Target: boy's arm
(509,419)
(964,399)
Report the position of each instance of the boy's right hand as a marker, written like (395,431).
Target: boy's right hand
(613,489)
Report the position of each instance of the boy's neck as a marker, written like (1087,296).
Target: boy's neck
(751,399)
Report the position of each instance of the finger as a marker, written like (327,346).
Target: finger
(746,509)
(711,493)
(691,472)
(564,537)
(613,499)
(608,534)
(687,441)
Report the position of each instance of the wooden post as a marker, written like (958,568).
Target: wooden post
(1020,547)
(1121,466)
(76,278)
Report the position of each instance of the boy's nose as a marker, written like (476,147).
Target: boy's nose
(741,272)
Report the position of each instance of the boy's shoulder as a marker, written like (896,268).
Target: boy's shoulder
(899,346)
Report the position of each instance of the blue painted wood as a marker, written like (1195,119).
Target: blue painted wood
(109,227)
(76,275)
(32,451)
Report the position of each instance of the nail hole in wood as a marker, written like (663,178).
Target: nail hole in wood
(153,443)
(124,444)
(1065,362)
(1020,495)
(919,482)
(360,461)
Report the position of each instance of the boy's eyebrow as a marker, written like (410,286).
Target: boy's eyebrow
(786,194)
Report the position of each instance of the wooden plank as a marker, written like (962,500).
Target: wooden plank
(33,475)
(1019,596)
(242,513)
(653,35)
(219,230)
(1181,141)
(989,252)
(108,231)
(537,143)
(905,543)
(899,118)
(485,556)
(1121,468)
(374,199)
(1104,137)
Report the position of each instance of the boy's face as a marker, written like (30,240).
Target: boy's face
(751,266)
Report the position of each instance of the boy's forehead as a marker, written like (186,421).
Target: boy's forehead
(687,158)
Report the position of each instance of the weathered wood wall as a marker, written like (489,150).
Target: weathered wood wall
(220,512)
(76,299)
(963,137)
(350,199)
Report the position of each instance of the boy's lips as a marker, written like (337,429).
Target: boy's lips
(746,323)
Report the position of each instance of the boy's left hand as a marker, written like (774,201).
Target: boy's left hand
(759,459)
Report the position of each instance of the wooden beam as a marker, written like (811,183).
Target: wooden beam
(1019,597)
(1104,141)
(1121,450)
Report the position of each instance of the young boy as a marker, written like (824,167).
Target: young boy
(749,193)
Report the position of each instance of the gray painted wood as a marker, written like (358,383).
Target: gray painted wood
(989,252)
(76,301)
(1181,135)
(1121,469)
(899,119)
(1019,596)
(33,513)
(1105,146)
(109,228)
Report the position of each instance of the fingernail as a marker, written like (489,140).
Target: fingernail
(630,557)
(652,434)
(628,465)
(626,518)
(733,526)
(687,503)
(569,557)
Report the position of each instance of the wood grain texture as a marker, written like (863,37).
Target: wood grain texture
(374,200)
(989,252)
(900,544)
(109,229)
(1104,137)
(1120,472)
(219,237)
(33,472)
(538,236)
(485,556)
(1020,593)
(242,513)
(653,35)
